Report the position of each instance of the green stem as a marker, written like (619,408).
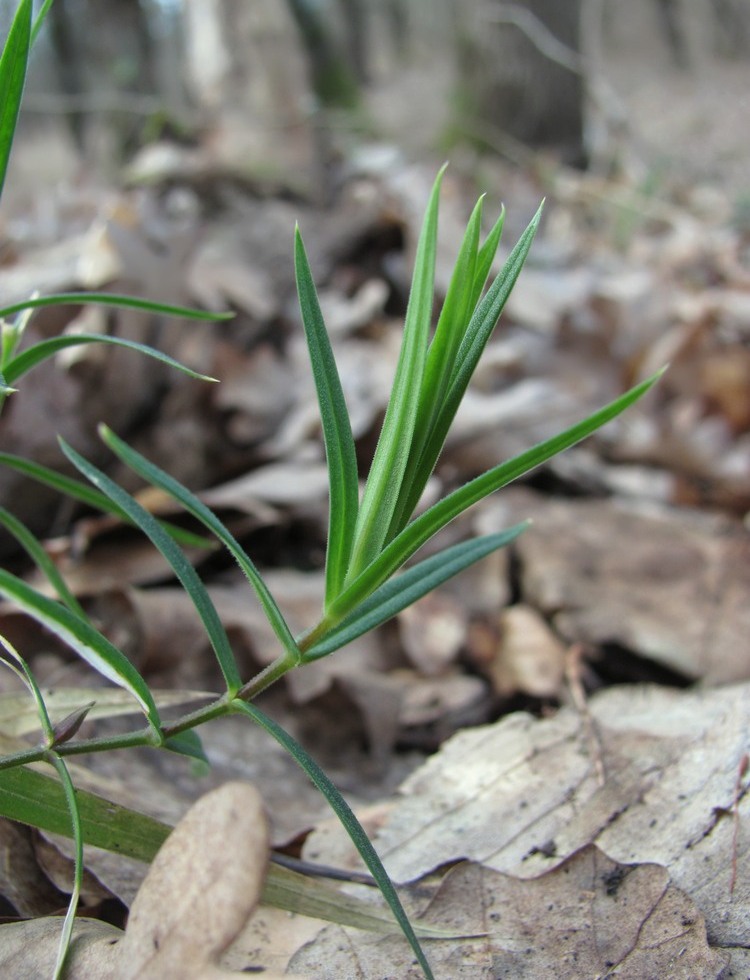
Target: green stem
(316,633)
(216,709)
(269,675)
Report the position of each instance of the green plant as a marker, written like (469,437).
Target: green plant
(369,540)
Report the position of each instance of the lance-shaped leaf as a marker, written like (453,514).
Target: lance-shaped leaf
(151,473)
(473,342)
(37,800)
(422,528)
(112,299)
(13,64)
(81,637)
(86,494)
(392,452)
(23,363)
(182,568)
(407,588)
(337,431)
(440,357)
(42,560)
(348,821)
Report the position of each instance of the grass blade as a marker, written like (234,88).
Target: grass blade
(348,820)
(81,637)
(13,64)
(22,363)
(389,463)
(112,299)
(182,568)
(426,525)
(337,431)
(405,589)
(152,474)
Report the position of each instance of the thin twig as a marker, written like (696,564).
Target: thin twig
(573,659)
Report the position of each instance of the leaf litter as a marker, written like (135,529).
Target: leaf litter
(520,801)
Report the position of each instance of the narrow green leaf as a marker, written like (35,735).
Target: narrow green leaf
(13,64)
(439,365)
(348,820)
(485,258)
(182,568)
(422,528)
(81,637)
(111,299)
(389,463)
(405,589)
(77,834)
(85,494)
(32,356)
(22,670)
(473,342)
(189,744)
(337,431)
(152,474)
(42,560)
(35,799)
(40,19)
(38,800)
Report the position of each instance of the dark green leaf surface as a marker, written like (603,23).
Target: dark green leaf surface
(182,568)
(442,513)
(389,463)
(150,472)
(404,590)
(337,430)
(112,299)
(23,363)
(80,636)
(348,820)
(12,78)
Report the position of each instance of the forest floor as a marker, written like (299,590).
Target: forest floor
(568,720)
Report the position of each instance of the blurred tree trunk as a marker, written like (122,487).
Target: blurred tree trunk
(248,74)
(104,53)
(522,73)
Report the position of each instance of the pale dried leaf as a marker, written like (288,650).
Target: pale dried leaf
(589,918)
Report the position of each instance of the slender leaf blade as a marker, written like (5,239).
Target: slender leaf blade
(42,560)
(422,528)
(389,463)
(35,799)
(348,820)
(439,365)
(85,494)
(112,299)
(407,588)
(156,476)
(80,636)
(337,430)
(473,342)
(13,64)
(182,568)
(486,257)
(77,834)
(32,356)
